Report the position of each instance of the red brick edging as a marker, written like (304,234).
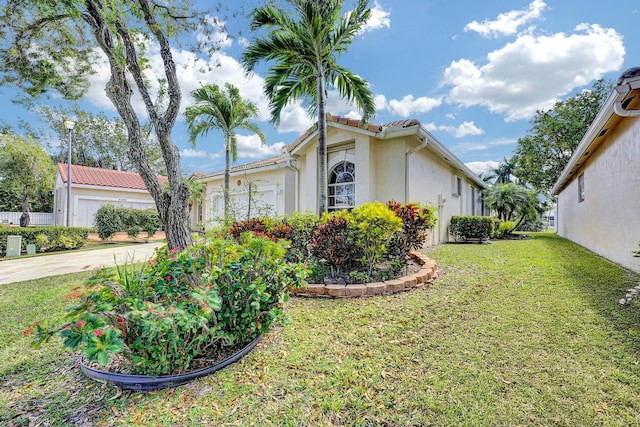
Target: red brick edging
(427,274)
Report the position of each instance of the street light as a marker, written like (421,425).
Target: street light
(69,124)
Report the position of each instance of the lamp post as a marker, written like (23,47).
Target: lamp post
(69,124)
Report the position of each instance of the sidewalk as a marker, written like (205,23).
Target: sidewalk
(21,269)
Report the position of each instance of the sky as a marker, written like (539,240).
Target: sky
(474,73)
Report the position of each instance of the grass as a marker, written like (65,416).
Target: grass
(513,333)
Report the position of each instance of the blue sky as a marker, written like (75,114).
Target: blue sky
(473,72)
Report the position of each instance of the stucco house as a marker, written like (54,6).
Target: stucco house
(91,187)
(599,189)
(400,161)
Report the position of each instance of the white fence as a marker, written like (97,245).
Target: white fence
(37,218)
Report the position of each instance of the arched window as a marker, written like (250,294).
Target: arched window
(342,187)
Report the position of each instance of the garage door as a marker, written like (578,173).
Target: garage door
(87,209)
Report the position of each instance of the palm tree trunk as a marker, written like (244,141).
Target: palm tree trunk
(322,145)
(227,173)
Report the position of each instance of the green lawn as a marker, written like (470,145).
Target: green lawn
(513,333)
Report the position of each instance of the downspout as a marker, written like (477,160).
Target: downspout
(296,184)
(423,143)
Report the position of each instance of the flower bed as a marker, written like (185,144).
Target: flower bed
(427,273)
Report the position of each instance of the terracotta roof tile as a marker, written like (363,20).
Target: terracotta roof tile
(271,161)
(85,175)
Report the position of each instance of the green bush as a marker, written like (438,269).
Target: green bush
(46,238)
(110,219)
(463,228)
(374,224)
(180,306)
(416,220)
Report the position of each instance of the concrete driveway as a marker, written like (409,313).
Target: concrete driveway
(21,269)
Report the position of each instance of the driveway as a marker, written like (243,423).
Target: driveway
(21,269)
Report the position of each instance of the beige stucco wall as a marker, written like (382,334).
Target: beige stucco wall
(608,220)
(432,180)
(86,199)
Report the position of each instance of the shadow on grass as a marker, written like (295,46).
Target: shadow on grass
(601,282)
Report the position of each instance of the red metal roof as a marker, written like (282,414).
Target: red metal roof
(85,175)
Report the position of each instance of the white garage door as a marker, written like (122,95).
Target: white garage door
(87,209)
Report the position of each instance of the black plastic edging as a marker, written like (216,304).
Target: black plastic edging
(148,383)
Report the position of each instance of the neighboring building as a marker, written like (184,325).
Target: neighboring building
(599,190)
(400,161)
(92,187)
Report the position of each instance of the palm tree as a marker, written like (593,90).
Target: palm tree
(224,110)
(304,46)
(503,173)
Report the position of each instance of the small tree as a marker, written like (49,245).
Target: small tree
(26,167)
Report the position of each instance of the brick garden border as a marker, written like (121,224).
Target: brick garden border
(427,274)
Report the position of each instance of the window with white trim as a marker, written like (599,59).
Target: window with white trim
(581,188)
(342,187)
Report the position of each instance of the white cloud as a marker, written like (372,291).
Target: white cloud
(465,147)
(409,105)
(508,23)
(483,168)
(379,18)
(466,128)
(190,152)
(294,118)
(533,71)
(249,146)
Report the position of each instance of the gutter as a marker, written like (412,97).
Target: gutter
(628,81)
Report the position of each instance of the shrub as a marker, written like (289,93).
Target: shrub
(46,238)
(374,225)
(416,220)
(463,228)
(181,306)
(110,219)
(107,221)
(505,228)
(333,242)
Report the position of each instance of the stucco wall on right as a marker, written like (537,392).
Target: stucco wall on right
(607,221)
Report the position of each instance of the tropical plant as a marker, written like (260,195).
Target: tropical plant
(304,43)
(416,220)
(504,198)
(180,308)
(25,167)
(224,110)
(374,225)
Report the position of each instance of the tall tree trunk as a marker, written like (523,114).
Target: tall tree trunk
(25,219)
(322,145)
(172,203)
(227,174)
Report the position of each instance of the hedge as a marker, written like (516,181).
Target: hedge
(47,239)
(110,219)
(463,228)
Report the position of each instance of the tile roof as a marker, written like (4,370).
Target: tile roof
(85,175)
(271,161)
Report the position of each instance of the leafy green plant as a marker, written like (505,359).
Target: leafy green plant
(416,220)
(463,228)
(374,224)
(180,306)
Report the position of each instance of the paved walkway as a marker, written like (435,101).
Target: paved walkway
(20,269)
